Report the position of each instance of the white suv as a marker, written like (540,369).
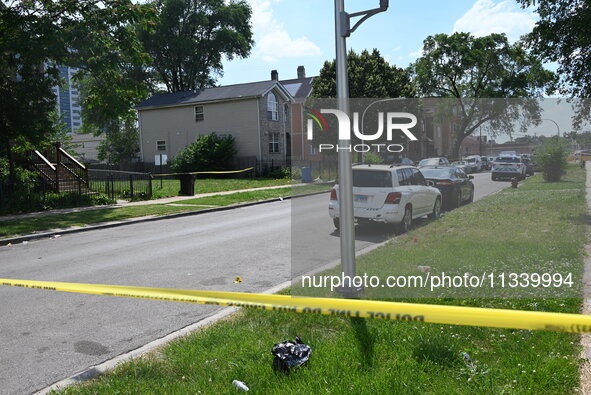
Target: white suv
(507,167)
(391,194)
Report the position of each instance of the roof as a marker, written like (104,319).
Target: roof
(299,88)
(221,93)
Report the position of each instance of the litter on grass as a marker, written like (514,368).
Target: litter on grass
(290,354)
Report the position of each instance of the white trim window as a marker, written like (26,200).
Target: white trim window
(272,107)
(274,143)
(199,113)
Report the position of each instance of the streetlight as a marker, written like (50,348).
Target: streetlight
(554,122)
(347,222)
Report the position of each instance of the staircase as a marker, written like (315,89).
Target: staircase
(59,170)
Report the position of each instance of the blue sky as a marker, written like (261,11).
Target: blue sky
(289,33)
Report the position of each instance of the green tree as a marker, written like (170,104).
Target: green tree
(370,76)
(207,153)
(122,144)
(551,157)
(467,69)
(188,39)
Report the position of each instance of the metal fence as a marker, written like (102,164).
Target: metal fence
(121,184)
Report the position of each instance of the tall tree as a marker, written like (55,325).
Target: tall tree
(468,69)
(188,40)
(370,76)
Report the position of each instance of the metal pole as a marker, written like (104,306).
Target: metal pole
(347,225)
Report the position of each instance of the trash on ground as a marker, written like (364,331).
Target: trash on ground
(424,269)
(290,354)
(240,385)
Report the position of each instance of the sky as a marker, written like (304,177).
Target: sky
(289,33)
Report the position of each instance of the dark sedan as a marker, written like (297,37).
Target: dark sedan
(455,185)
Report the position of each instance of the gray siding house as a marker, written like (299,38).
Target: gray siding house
(256,114)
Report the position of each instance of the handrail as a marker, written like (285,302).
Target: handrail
(71,158)
(45,160)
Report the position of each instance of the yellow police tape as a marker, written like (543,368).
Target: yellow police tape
(205,172)
(437,314)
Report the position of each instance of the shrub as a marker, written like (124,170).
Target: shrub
(551,158)
(280,173)
(372,158)
(207,153)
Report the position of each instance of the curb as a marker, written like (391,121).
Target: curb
(48,234)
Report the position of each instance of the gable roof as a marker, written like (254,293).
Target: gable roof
(221,93)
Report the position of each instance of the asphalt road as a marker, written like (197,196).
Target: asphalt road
(47,336)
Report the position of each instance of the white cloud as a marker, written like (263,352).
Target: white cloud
(272,41)
(416,54)
(487,16)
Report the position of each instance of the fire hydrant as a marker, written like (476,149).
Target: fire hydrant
(514,182)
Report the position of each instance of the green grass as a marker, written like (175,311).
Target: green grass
(207,185)
(30,225)
(536,223)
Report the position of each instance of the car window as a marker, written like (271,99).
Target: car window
(417,178)
(443,161)
(435,173)
(372,178)
(460,173)
(402,177)
(508,159)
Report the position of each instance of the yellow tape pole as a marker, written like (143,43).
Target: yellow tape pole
(437,314)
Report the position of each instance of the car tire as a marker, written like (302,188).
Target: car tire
(436,213)
(471,199)
(406,223)
(493,178)
(337,223)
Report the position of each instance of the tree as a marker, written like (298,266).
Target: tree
(563,35)
(122,144)
(96,36)
(188,39)
(471,70)
(552,159)
(370,76)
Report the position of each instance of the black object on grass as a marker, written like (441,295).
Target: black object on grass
(289,355)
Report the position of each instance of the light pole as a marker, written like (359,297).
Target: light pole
(347,221)
(554,122)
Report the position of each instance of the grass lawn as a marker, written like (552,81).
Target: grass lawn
(531,226)
(29,225)
(207,185)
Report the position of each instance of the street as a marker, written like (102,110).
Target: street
(47,336)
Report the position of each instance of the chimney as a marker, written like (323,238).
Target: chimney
(274,75)
(301,72)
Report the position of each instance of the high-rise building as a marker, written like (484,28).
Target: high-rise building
(68,99)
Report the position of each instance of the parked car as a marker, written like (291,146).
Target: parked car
(507,167)
(475,162)
(508,153)
(460,164)
(390,194)
(455,185)
(404,162)
(486,164)
(434,162)
(529,166)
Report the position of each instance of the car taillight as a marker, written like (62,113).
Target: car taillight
(333,194)
(393,198)
(444,183)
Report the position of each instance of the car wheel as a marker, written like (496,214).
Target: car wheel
(436,213)
(337,223)
(471,199)
(406,223)
(493,178)
(458,199)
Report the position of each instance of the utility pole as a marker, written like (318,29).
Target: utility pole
(347,221)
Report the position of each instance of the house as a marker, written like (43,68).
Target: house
(256,114)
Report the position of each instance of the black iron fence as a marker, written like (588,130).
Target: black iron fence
(121,184)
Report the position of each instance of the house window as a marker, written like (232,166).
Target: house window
(274,143)
(271,106)
(313,149)
(199,113)
(160,145)
(286,113)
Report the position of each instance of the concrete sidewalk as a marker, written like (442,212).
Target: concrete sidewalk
(124,203)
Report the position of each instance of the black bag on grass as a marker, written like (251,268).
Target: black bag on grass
(290,354)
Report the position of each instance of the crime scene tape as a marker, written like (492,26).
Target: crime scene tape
(396,311)
(205,172)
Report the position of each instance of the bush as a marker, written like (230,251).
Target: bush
(372,158)
(551,158)
(280,173)
(207,153)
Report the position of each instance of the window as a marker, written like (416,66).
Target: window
(199,113)
(271,106)
(160,145)
(372,178)
(286,113)
(404,176)
(274,143)
(417,178)
(313,149)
